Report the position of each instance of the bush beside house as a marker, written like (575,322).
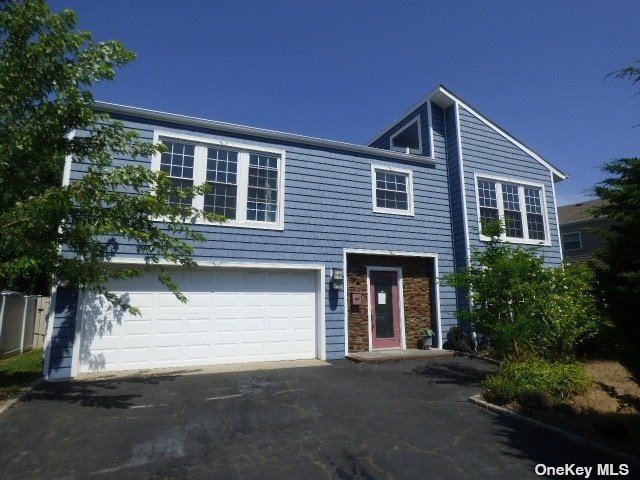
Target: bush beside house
(535,317)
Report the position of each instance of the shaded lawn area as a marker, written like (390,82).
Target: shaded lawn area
(18,371)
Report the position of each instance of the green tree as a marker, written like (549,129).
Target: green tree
(47,68)
(619,271)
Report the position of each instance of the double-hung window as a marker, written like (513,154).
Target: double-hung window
(177,163)
(518,205)
(571,241)
(246,184)
(392,190)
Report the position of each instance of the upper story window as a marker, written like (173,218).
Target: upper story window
(409,138)
(392,190)
(571,241)
(246,184)
(519,205)
(177,162)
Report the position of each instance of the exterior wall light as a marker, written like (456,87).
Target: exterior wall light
(336,278)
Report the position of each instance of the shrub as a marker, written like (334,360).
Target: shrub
(569,312)
(559,380)
(523,307)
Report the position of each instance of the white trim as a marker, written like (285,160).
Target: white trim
(396,253)
(463,187)
(555,209)
(49,333)
(415,151)
(77,336)
(398,270)
(262,133)
(199,176)
(222,264)
(572,233)
(436,293)
(441,92)
(68,159)
(409,173)
(523,213)
(321,329)
(347,303)
(432,153)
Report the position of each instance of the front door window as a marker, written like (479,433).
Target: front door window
(385,311)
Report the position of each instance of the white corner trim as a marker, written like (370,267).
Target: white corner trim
(432,147)
(520,183)
(199,176)
(402,171)
(346,302)
(463,187)
(68,159)
(436,293)
(77,337)
(555,210)
(411,122)
(398,270)
(49,333)
(321,329)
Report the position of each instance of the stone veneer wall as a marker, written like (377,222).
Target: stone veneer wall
(417,275)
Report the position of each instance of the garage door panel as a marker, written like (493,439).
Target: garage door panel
(197,352)
(233,315)
(197,325)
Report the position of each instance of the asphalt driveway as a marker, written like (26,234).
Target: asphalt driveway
(406,420)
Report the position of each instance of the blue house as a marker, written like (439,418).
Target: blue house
(330,247)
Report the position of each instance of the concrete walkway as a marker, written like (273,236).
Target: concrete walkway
(395,355)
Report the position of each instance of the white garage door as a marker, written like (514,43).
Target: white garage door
(233,316)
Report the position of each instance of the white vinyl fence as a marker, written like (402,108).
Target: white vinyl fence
(22,322)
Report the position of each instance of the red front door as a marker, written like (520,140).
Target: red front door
(385,309)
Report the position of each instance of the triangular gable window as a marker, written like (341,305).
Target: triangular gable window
(409,138)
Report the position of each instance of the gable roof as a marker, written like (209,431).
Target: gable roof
(114,108)
(445,98)
(578,212)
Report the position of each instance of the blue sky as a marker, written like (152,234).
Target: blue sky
(343,70)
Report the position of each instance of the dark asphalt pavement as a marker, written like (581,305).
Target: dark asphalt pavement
(405,420)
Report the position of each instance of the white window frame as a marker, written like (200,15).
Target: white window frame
(242,178)
(579,233)
(521,184)
(401,171)
(417,151)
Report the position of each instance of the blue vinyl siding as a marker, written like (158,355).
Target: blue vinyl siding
(328,208)
(485,151)
(62,338)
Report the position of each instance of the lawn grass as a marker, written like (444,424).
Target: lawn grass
(18,371)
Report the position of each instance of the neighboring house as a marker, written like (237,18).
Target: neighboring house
(579,227)
(330,248)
